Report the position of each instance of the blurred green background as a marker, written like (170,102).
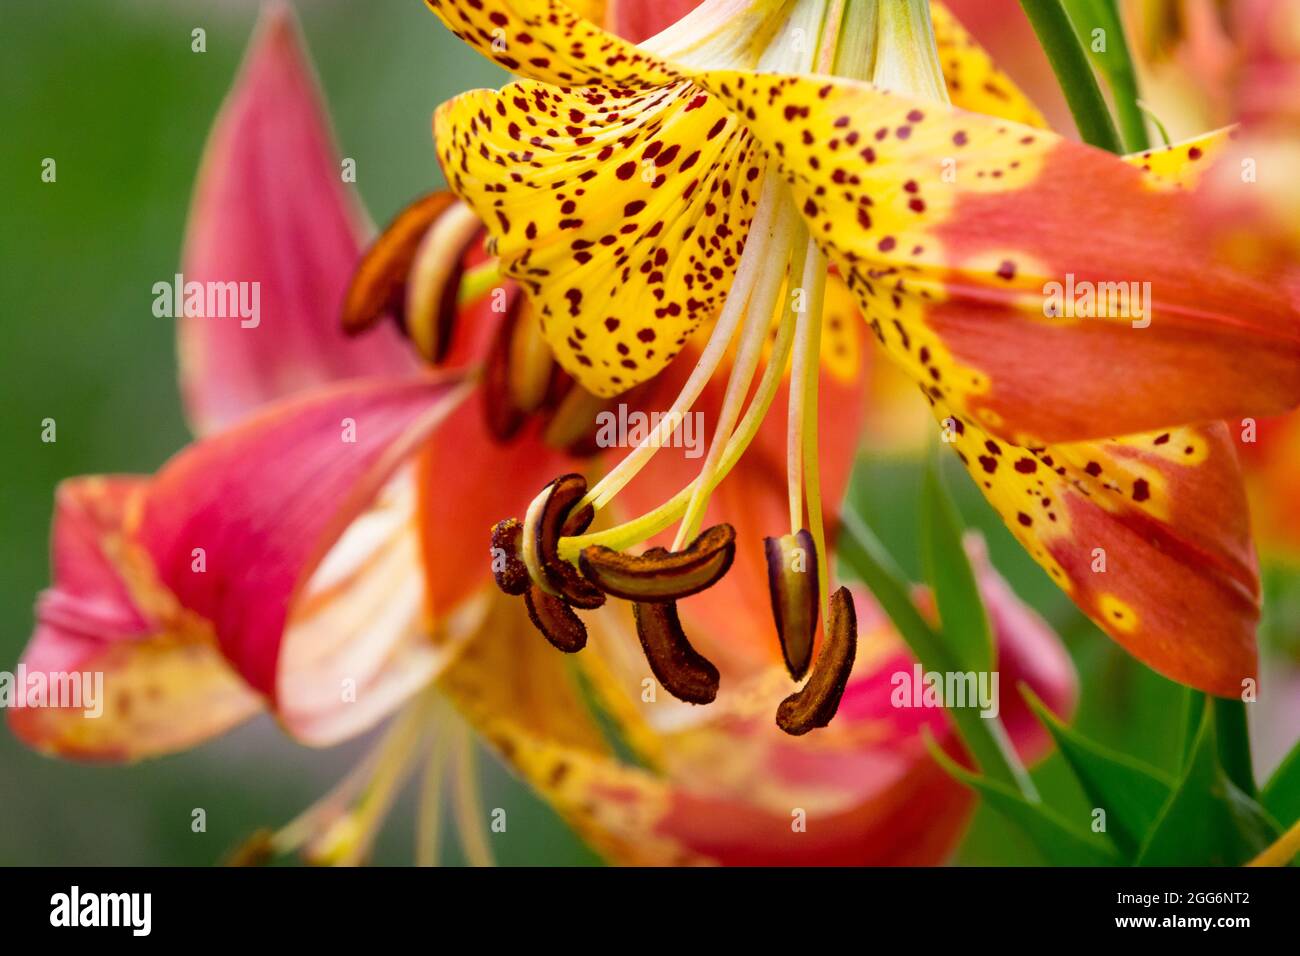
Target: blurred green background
(112,91)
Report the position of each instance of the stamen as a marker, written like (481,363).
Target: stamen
(555,619)
(531,363)
(802,442)
(394,765)
(551,513)
(434,284)
(811,442)
(752,261)
(815,704)
(757,323)
(467,802)
(652,522)
(429,821)
(661,575)
(792,577)
(682,670)
(331,831)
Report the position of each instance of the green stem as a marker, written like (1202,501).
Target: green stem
(986,739)
(1193,711)
(1234,744)
(1115,63)
(1061,44)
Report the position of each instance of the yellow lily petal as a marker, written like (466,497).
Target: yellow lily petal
(954,229)
(1181,165)
(546,40)
(622,212)
(974,81)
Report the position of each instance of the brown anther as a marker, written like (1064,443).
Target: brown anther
(412,271)
(547,520)
(793,584)
(682,670)
(504,418)
(815,704)
(661,575)
(507,566)
(556,620)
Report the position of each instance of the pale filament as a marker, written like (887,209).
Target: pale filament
(757,323)
(751,264)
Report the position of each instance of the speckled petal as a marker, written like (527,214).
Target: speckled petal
(623,213)
(957,232)
(546,40)
(974,81)
(1149,535)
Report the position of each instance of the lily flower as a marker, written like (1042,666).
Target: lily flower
(306,555)
(700,188)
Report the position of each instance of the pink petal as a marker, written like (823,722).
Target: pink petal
(165,684)
(270,207)
(638,20)
(268,500)
(362,635)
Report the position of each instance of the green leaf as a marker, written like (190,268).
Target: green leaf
(964,625)
(1207,820)
(1059,843)
(1281,796)
(1131,792)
